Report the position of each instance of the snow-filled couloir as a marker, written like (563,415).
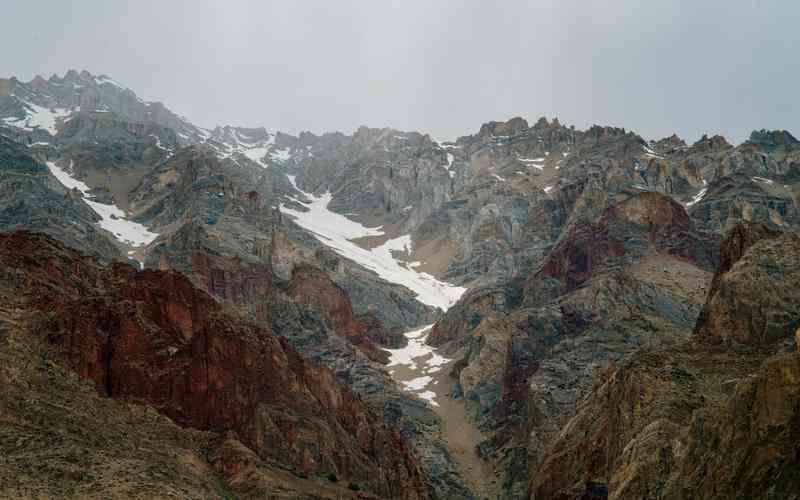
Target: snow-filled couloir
(337,232)
(113,219)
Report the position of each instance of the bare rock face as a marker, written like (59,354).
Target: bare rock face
(32,198)
(747,447)
(313,288)
(511,127)
(698,420)
(626,271)
(151,337)
(624,233)
(754,298)
(682,423)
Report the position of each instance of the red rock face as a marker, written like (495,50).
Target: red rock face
(151,337)
(313,288)
(645,222)
(234,281)
(252,286)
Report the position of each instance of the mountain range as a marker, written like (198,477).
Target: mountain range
(530,311)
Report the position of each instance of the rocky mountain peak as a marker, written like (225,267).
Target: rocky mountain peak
(38,83)
(671,141)
(72,76)
(773,139)
(602,132)
(715,143)
(497,129)
(652,209)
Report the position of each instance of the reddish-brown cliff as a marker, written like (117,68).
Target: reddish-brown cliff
(151,337)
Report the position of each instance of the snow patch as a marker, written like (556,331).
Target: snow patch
(450,159)
(418,383)
(421,357)
(39,117)
(336,231)
(428,396)
(253,149)
(102,79)
(113,219)
(697,197)
(648,152)
(416,349)
(280,154)
(161,146)
(532,162)
(257,154)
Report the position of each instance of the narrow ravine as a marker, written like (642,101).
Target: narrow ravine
(417,368)
(422,371)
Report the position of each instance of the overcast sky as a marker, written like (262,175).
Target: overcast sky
(441,67)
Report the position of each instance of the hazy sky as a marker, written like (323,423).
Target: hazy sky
(441,67)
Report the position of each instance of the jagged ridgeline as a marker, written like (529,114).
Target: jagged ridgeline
(531,311)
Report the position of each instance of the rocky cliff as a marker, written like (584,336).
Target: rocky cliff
(697,420)
(151,338)
(33,199)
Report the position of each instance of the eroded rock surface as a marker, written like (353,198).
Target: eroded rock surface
(151,337)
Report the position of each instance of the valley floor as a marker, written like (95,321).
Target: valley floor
(419,369)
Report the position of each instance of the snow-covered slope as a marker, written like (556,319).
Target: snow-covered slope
(420,358)
(113,219)
(39,117)
(337,231)
(257,145)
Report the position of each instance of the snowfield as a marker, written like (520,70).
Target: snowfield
(39,117)
(337,231)
(420,357)
(254,150)
(113,219)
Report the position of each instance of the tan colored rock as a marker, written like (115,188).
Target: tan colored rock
(5,87)
(755,259)
(283,255)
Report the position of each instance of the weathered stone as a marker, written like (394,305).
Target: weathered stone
(151,337)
